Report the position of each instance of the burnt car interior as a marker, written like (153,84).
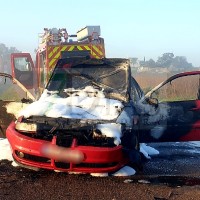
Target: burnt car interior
(177,113)
(112,77)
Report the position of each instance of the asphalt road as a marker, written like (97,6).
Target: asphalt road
(175,159)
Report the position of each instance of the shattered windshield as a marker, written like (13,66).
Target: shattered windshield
(111,79)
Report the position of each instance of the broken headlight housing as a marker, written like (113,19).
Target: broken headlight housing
(25,127)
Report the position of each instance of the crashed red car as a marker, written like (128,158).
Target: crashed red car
(88,110)
(85,109)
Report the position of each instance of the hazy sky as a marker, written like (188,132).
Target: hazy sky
(131,28)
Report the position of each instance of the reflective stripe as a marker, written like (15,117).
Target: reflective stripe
(95,55)
(51,63)
(52,52)
(79,48)
(63,49)
(87,48)
(54,59)
(71,48)
(97,50)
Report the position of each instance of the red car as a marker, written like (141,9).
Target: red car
(93,98)
(88,111)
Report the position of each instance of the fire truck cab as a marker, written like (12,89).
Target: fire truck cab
(55,44)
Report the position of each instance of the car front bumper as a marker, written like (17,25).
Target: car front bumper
(27,151)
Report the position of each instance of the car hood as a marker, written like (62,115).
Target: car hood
(87,110)
(88,103)
(84,89)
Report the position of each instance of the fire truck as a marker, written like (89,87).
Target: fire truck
(55,44)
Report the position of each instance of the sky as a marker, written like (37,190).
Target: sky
(130,28)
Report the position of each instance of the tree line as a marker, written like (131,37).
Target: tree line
(5,57)
(167,60)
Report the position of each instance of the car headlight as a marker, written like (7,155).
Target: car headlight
(26,127)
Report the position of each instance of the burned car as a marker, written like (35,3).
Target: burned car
(85,112)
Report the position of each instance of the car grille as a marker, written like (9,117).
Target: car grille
(64,141)
(62,165)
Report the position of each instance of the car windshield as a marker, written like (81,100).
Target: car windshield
(110,77)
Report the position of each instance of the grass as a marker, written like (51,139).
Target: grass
(184,88)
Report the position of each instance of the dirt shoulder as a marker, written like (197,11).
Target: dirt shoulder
(5,118)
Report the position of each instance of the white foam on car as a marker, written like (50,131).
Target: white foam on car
(80,107)
(157,131)
(111,130)
(155,114)
(15,107)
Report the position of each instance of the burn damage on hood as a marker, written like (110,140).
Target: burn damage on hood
(47,123)
(86,132)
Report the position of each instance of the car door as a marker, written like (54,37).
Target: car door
(23,69)
(177,115)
